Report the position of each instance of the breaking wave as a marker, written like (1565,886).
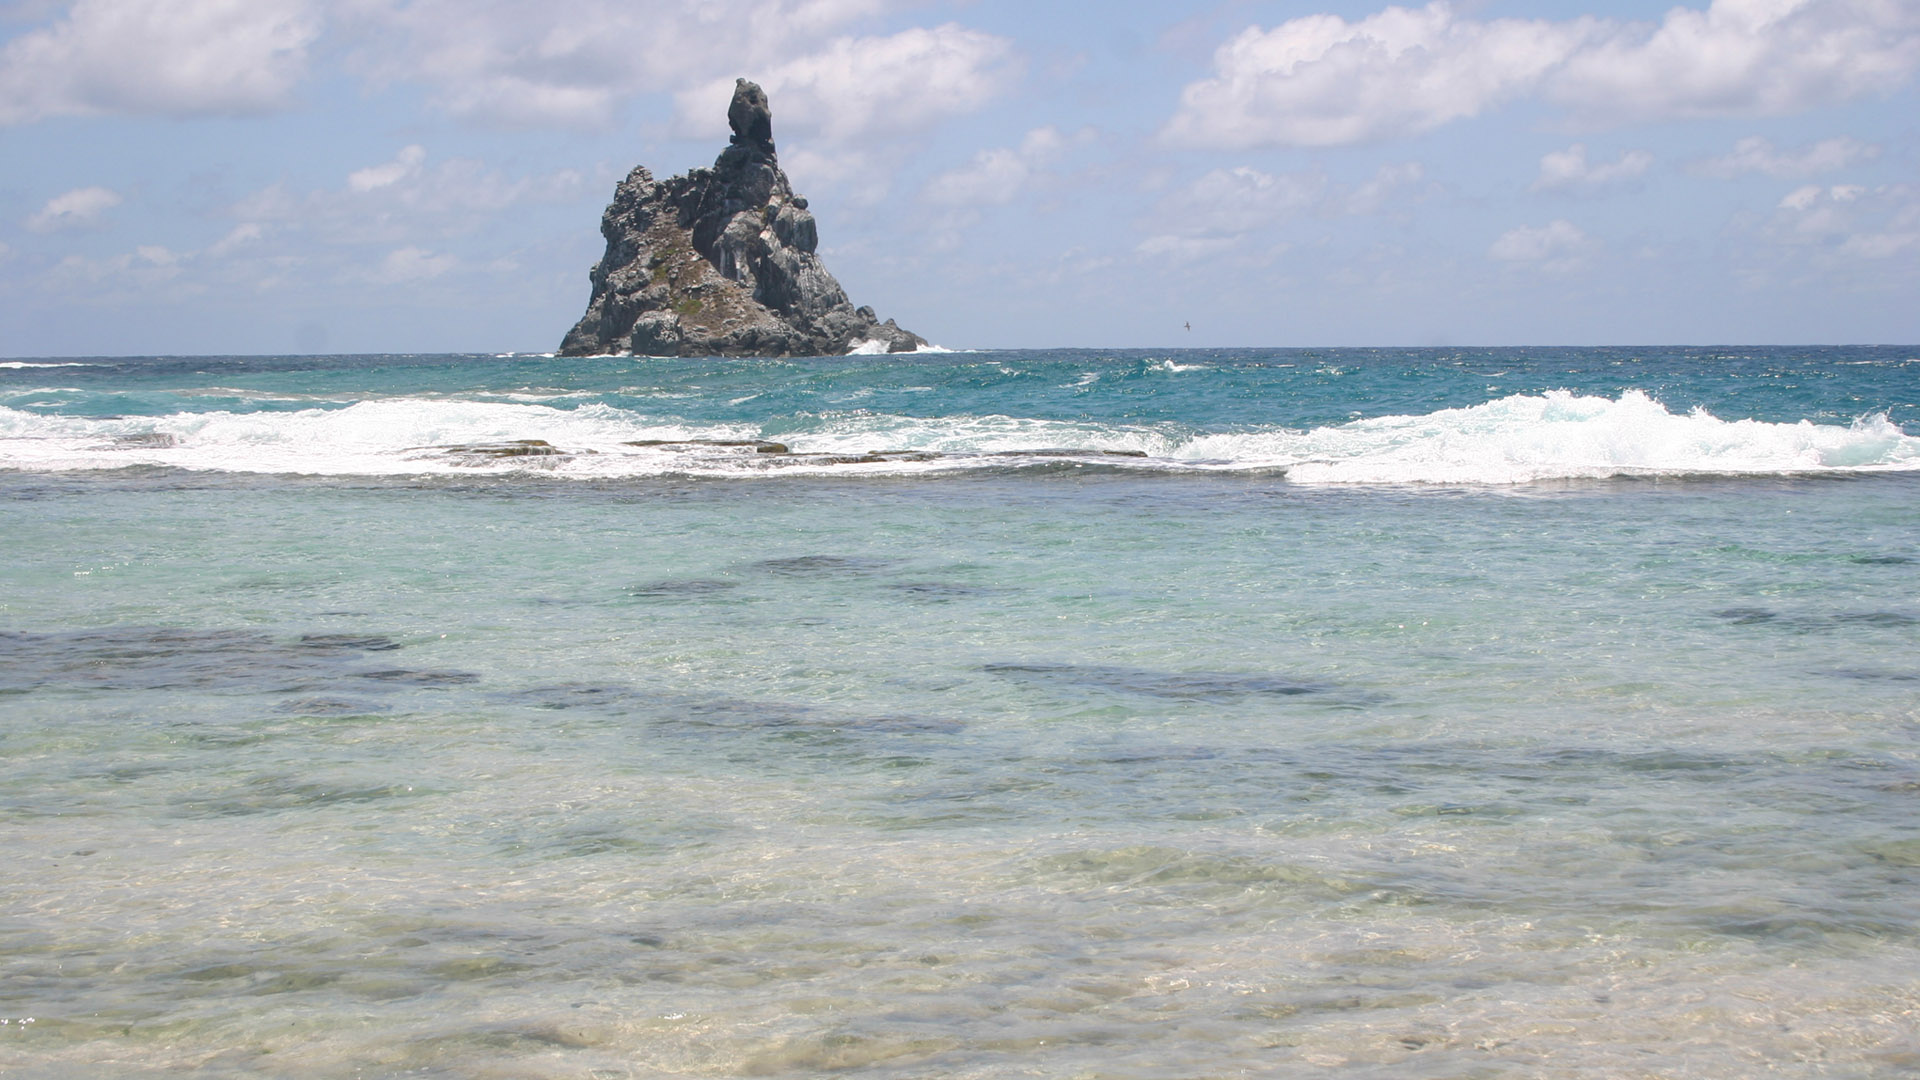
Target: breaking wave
(1510,440)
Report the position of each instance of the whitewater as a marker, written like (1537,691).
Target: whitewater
(630,428)
(1139,714)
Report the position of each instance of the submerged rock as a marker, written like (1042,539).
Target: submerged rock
(508,449)
(721,262)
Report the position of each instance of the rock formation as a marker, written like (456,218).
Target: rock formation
(721,262)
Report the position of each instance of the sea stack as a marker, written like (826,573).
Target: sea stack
(721,262)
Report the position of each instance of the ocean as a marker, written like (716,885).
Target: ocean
(1409,713)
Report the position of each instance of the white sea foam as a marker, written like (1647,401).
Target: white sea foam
(877,347)
(1510,440)
(21,365)
(1560,435)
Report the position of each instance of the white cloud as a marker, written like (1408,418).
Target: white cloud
(855,90)
(1185,249)
(240,238)
(1323,81)
(412,264)
(522,63)
(864,175)
(1881,245)
(993,176)
(996,176)
(1801,198)
(1228,208)
(1229,201)
(1804,198)
(1557,246)
(1387,181)
(1744,58)
(167,57)
(405,200)
(80,208)
(1570,168)
(1225,207)
(1846,222)
(145,268)
(536,63)
(404,166)
(1756,155)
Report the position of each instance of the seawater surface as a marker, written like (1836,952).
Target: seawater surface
(1396,713)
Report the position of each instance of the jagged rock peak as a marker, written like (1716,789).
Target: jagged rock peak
(721,262)
(750,116)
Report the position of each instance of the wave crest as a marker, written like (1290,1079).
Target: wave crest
(1561,435)
(1511,440)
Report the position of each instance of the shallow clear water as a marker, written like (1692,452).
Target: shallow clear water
(983,764)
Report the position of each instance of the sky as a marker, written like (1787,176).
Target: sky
(307,176)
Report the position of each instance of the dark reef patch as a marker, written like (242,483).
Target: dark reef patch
(328,706)
(1754,616)
(580,695)
(1877,618)
(409,677)
(824,565)
(684,588)
(163,657)
(1176,685)
(937,592)
(354,642)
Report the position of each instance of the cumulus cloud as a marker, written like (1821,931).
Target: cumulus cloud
(165,57)
(1221,209)
(993,176)
(407,199)
(411,264)
(1743,58)
(238,239)
(393,223)
(1184,249)
(1557,246)
(1323,81)
(853,90)
(535,63)
(80,208)
(1233,200)
(1570,168)
(522,63)
(996,176)
(1228,208)
(404,166)
(145,268)
(1828,225)
(1757,155)
(1387,182)
(505,62)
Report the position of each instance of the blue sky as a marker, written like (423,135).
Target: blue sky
(259,176)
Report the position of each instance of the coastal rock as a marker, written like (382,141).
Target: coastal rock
(722,262)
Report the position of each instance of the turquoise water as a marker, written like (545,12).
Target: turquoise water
(1387,713)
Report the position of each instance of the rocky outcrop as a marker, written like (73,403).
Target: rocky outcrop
(721,262)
